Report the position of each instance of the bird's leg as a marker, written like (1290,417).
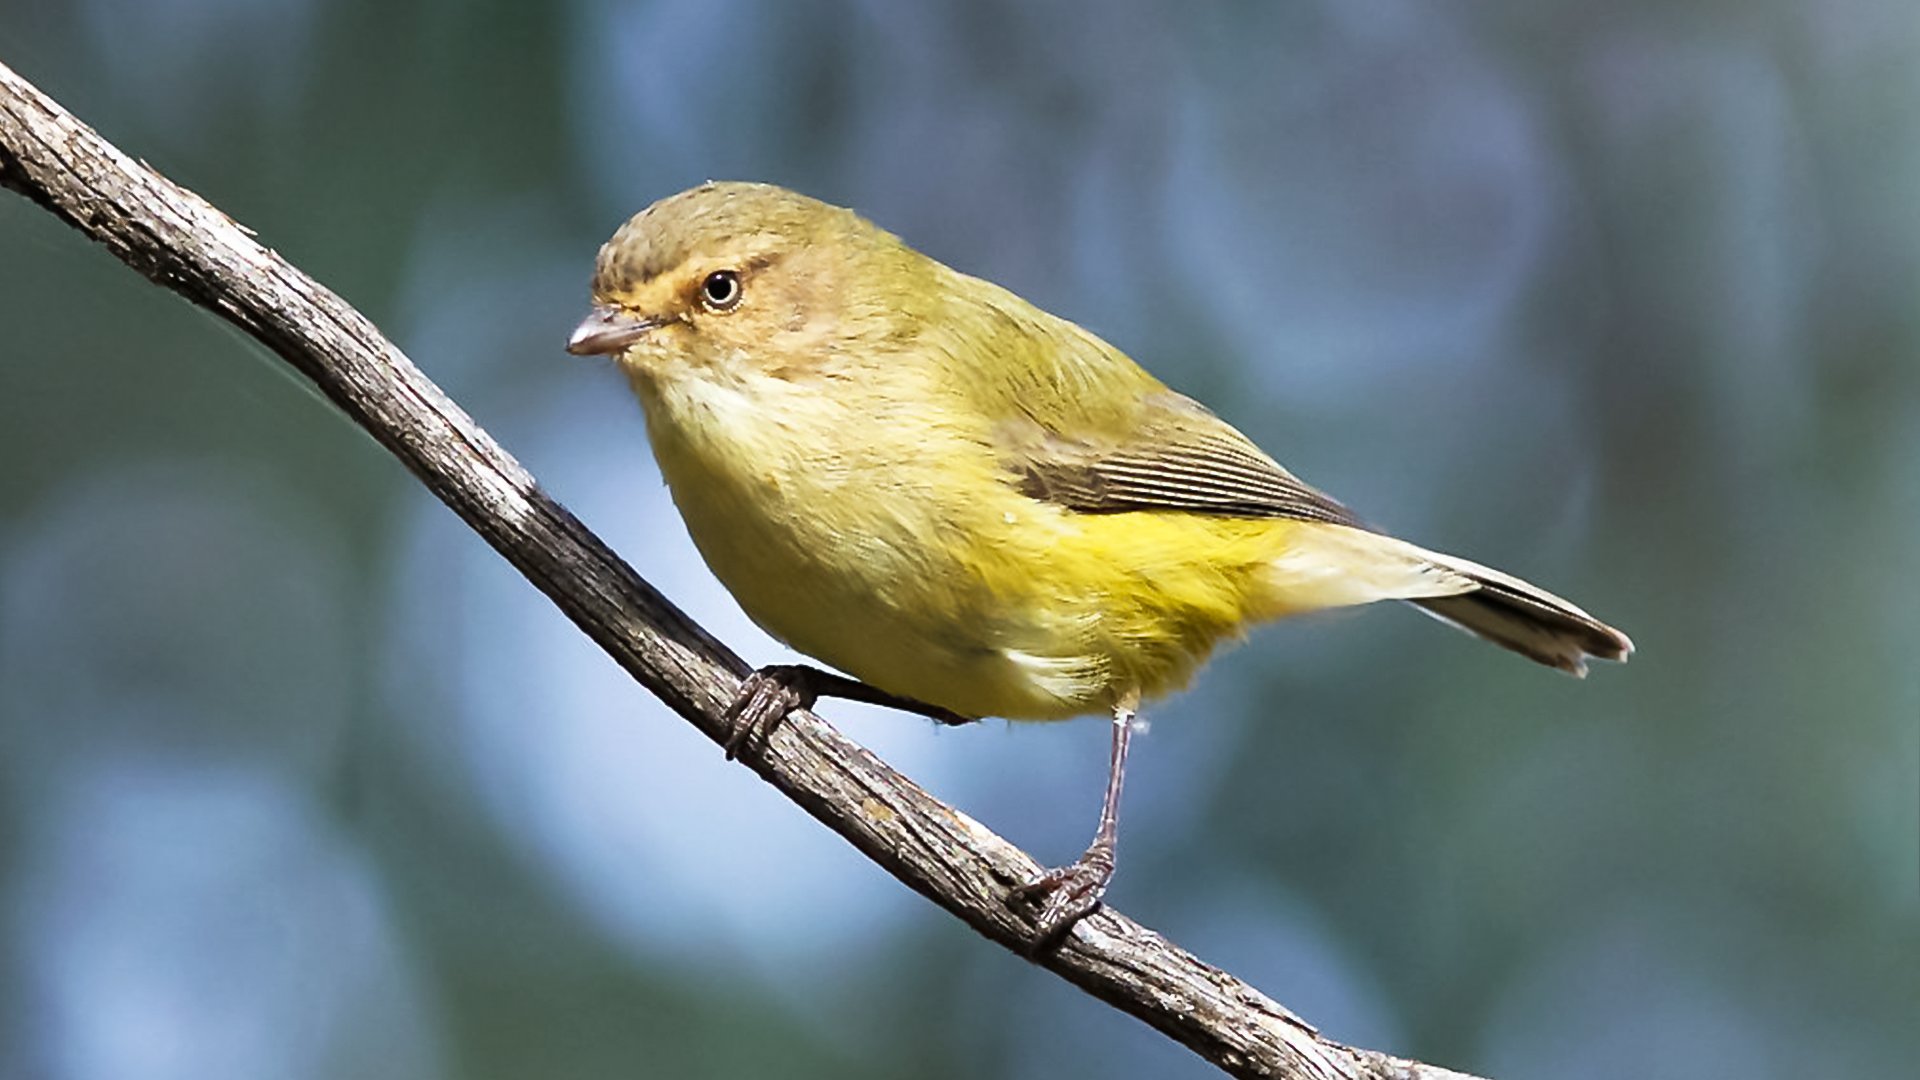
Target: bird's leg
(1069,893)
(768,695)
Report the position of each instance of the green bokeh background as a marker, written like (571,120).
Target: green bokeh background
(297,781)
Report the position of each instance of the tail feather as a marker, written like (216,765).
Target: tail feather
(1529,620)
(1330,565)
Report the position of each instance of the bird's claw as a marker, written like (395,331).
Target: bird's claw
(765,699)
(1065,895)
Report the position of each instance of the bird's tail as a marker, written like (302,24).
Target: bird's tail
(1333,565)
(1529,620)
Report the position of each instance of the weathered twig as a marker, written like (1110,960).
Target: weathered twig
(180,241)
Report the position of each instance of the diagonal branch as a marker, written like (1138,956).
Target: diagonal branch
(181,241)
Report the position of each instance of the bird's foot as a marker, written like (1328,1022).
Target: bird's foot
(765,699)
(768,695)
(1065,895)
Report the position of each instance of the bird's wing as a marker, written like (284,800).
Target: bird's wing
(1173,455)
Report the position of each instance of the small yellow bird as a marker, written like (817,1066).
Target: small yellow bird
(973,507)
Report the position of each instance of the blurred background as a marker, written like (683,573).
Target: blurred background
(298,779)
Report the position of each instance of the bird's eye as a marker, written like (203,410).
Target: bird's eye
(721,290)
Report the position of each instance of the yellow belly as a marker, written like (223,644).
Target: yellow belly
(910,562)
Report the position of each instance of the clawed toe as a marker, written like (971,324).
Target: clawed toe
(765,699)
(1065,895)
(768,695)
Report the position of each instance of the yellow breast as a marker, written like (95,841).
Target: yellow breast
(892,547)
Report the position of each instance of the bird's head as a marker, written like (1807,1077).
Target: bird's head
(731,274)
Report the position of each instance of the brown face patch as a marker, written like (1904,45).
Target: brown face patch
(657,298)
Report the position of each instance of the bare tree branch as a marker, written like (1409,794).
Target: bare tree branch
(182,242)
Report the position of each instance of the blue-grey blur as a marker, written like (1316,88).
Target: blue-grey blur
(299,780)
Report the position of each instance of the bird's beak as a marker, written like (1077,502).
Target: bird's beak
(607,330)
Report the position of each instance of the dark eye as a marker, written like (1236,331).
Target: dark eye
(721,290)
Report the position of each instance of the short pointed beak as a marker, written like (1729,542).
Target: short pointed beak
(607,330)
